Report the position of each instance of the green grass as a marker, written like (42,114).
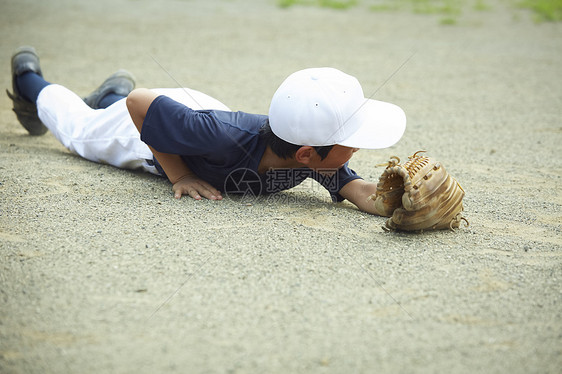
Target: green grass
(446,7)
(337,4)
(480,5)
(334,4)
(448,10)
(545,10)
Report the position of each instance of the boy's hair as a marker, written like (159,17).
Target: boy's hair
(284,149)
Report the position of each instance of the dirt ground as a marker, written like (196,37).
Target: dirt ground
(102,271)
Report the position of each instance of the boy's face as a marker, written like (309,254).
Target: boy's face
(336,158)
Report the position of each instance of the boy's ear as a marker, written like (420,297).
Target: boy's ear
(304,154)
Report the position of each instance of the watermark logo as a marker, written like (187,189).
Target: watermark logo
(243,184)
(246,186)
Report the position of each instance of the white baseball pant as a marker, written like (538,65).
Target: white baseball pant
(108,135)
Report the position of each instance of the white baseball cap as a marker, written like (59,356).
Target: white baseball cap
(324,106)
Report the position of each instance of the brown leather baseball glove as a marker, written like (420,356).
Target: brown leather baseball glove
(419,195)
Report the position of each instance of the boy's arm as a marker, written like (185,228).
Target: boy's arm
(358,191)
(184,181)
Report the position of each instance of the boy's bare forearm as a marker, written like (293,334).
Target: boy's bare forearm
(173,165)
(358,192)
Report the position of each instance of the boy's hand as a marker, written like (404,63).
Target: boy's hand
(195,187)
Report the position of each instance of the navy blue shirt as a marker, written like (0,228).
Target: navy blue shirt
(225,149)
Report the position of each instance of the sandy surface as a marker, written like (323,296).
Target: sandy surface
(102,271)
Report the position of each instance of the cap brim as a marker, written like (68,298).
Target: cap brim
(381,125)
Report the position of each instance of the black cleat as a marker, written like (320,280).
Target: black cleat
(120,83)
(23,60)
